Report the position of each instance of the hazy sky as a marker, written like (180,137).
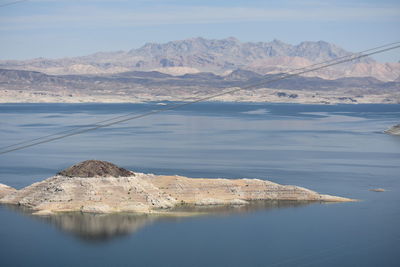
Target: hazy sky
(57,28)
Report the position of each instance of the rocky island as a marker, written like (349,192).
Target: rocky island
(101,187)
(394,130)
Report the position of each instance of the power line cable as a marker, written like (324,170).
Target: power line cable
(285,76)
(12,3)
(191,98)
(66,131)
(343,57)
(195,101)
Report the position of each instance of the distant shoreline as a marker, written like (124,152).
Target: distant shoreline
(244,102)
(308,98)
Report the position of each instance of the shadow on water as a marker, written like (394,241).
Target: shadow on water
(91,227)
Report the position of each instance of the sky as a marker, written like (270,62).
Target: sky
(58,28)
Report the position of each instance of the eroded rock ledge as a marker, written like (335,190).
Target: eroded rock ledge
(106,188)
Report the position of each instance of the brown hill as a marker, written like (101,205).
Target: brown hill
(95,168)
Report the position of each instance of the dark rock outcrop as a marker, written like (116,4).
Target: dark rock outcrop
(95,168)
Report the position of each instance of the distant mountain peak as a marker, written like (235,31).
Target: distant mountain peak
(278,42)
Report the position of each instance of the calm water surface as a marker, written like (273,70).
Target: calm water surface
(336,150)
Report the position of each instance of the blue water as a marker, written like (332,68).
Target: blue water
(333,149)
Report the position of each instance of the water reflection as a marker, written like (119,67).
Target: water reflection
(104,227)
(99,227)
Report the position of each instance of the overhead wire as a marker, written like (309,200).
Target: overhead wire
(12,3)
(314,67)
(191,98)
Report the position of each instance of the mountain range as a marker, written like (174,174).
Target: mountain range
(220,57)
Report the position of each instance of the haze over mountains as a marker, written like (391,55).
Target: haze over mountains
(217,56)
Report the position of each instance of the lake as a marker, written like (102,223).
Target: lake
(332,149)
